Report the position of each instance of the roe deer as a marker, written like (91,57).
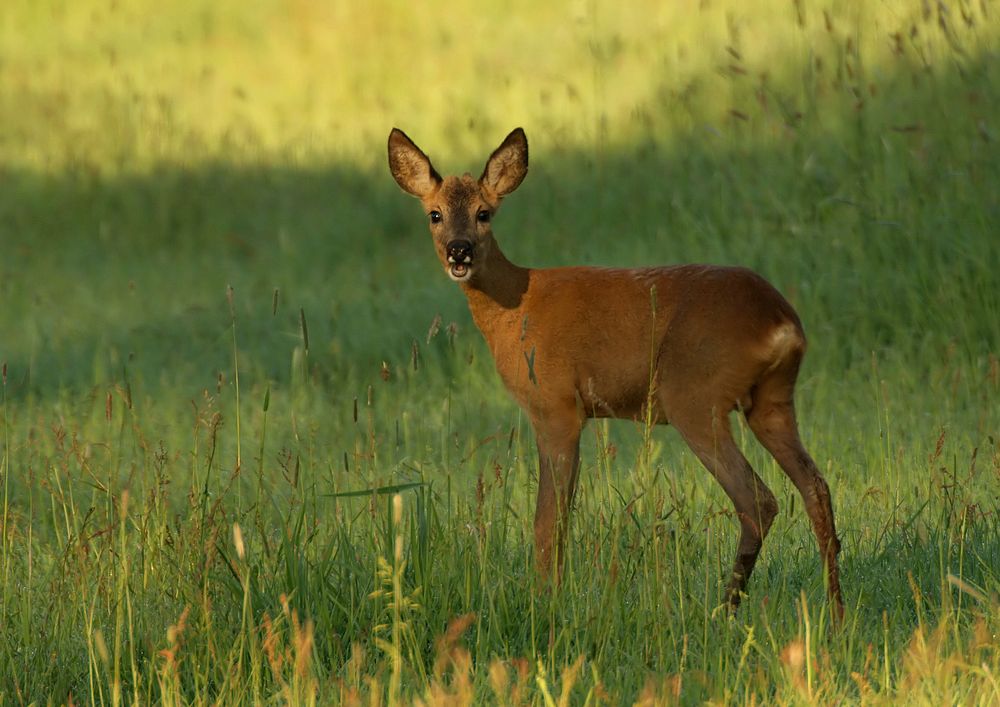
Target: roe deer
(683,345)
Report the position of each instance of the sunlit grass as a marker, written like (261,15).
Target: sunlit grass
(126,86)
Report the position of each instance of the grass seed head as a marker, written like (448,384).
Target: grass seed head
(238,541)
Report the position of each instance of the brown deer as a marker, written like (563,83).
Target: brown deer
(683,345)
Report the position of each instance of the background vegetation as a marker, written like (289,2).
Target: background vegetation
(228,346)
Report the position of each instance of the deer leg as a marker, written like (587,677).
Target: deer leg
(712,441)
(772,420)
(558,438)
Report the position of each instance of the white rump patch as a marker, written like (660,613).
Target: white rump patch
(781,342)
(784,338)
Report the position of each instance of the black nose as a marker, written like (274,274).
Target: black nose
(459,251)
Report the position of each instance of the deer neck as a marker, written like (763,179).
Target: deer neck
(496,296)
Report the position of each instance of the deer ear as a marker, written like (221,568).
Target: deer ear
(508,165)
(410,167)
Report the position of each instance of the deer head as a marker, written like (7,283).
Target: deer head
(460,209)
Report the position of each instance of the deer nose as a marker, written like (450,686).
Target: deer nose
(459,251)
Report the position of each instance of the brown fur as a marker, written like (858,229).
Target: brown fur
(572,343)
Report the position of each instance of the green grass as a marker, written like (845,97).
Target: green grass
(178,530)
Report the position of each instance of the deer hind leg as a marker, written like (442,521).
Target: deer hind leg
(558,438)
(772,419)
(710,437)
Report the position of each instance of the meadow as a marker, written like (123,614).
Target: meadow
(254,450)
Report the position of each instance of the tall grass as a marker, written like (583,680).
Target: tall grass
(254,449)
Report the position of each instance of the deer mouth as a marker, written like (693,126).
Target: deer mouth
(459,254)
(460,270)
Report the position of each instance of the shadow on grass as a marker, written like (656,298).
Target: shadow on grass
(880,229)
(947,562)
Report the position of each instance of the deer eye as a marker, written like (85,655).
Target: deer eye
(435,216)
(483,216)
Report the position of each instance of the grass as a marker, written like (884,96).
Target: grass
(312,488)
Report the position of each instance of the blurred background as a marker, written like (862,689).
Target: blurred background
(152,155)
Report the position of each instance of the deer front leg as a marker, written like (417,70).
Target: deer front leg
(558,438)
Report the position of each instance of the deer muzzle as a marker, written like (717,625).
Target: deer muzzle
(460,254)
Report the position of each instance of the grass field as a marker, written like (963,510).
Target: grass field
(254,450)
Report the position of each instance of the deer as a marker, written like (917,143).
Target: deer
(684,345)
